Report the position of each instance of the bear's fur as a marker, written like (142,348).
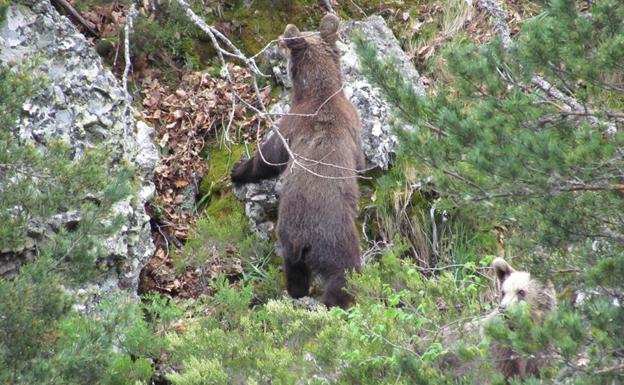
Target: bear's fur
(514,287)
(317,205)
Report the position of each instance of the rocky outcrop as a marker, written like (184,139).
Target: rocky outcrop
(378,141)
(81,103)
(260,205)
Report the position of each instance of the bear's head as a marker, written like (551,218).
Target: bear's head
(518,286)
(314,60)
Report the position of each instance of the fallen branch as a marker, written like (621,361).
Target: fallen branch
(554,93)
(499,17)
(69,9)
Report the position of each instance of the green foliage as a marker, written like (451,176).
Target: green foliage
(223,226)
(387,338)
(168,32)
(30,310)
(126,371)
(4,5)
(507,153)
(114,326)
(486,119)
(223,230)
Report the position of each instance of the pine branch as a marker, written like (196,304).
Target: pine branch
(502,29)
(550,192)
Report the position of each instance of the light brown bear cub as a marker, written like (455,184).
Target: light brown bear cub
(514,287)
(519,286)
(318,202)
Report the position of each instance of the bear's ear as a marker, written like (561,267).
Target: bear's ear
(502,269)
(292,38)
(329,28)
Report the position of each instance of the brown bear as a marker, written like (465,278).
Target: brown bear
(318,201)
(514,287)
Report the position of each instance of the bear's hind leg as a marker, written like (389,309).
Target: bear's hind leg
(334,294)
(298,278)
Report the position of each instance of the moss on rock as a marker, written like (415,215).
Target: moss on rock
(256,24)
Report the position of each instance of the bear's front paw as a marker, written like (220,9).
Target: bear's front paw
(238,172)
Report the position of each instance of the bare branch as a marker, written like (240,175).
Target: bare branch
(616,368)
(67,7)
(213,33)
(128,63)
(576,187)
(553,92)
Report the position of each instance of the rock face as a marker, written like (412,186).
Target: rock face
(378,141)
(82,104)
(260,205)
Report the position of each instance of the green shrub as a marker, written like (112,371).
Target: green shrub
(388,335)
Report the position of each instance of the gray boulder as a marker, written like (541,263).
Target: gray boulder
(83,104)
(378,141)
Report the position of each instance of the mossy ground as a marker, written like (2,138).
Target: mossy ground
(222,242)
(222,223)
(220,159)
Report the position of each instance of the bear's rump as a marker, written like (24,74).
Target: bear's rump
(321,230)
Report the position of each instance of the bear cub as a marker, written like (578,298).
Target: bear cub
(514,287)
(318,202)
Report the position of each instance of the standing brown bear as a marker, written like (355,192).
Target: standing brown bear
(319,197)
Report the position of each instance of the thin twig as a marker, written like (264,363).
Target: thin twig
(127,29)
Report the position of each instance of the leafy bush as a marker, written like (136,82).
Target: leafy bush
(387,338)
